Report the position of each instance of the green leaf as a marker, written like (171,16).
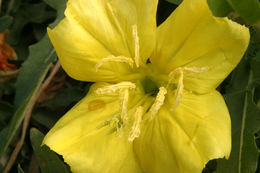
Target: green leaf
(248,9)
(6,111)
(219,8)
(3,134)
(60,6)
(245,119)
(29,79)
(47,159)
(46,118)
(32,73)
(177,2)
(65,97)
(28,13)
(5,22)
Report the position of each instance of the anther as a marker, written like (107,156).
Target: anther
(135,131)
(113,88)
(179,74)
(178,92)
(159,100)
(112,58)
(123,101)
(136,45)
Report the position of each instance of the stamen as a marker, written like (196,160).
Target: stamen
(159,100)
(179,92)
(135,131)
(123,101)
(123,88)
(187,70)
(112,58)
(179,73)
(113,88)
(136,45)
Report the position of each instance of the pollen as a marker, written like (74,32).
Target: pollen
(159,100)
(112,58)
(135,131)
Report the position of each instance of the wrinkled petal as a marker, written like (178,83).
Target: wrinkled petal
(183,141)
(85,144)
(192,37)
(97,29)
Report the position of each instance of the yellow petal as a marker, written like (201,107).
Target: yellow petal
(192,37)
(183,141)
(96,29)
(87,146)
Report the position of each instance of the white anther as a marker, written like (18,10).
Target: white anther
(178,92)
(123,101)
(113,88)
(136,45)
(135,131)
(185,70)
(179,74)
(159,100)
(112,58)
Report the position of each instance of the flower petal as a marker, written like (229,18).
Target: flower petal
(193,37)
(96,29)
(88,147)
(185,140)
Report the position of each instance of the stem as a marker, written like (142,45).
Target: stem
(28,117)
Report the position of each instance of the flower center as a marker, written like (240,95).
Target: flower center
(150,86)
(121,120)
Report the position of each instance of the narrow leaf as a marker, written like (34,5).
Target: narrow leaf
(245,119)
(47,159)
(248,9)
(219,8)
(32,73)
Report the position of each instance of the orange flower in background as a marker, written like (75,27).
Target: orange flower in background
(6,53)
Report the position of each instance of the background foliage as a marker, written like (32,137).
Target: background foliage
(24,97)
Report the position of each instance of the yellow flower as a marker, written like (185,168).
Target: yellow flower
(154,107)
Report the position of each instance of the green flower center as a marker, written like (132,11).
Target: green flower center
(150,86)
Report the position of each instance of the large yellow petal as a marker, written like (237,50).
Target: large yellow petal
(95,29)
(183,141)
(88,147)
(193,37)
